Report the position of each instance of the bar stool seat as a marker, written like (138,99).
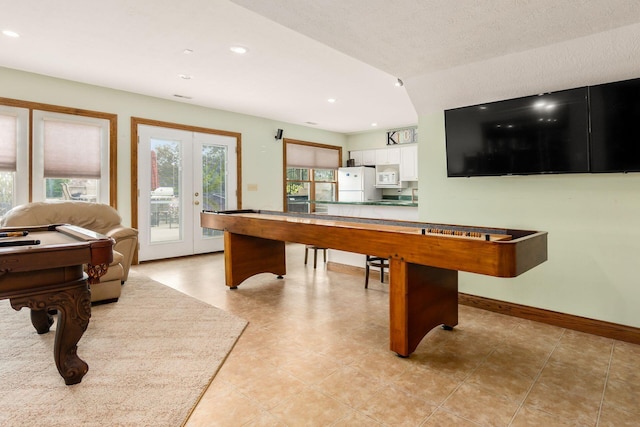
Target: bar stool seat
(377,262)
(315,254)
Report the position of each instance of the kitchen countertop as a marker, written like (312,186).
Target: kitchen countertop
(383,202)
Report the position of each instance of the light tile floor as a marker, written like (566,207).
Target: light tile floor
(315,353)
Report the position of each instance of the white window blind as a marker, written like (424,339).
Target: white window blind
(8,144)
(71,150)
(311,157)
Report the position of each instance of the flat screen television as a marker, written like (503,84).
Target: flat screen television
(538,134)
(615,126)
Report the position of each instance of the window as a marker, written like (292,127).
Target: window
(70,157)
(311,174)
(73,154)
(14,166)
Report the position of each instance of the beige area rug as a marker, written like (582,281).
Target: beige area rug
(151,355)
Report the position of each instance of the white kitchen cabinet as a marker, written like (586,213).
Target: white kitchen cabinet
(363,157)
(388,156)
(409,163)
(368,157)
(356,156)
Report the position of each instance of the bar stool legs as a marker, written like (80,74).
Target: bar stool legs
(378,262)
(315,254)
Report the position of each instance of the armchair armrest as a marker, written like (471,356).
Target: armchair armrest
(126,239)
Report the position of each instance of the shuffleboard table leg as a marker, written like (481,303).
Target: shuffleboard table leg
(420,298)
(246,256)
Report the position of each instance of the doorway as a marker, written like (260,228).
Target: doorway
(180,173)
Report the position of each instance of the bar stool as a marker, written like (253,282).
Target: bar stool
(377,262)
(315,254)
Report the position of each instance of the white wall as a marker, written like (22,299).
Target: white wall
(261,153)
(593,220)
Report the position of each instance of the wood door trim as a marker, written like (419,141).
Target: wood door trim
(135,121)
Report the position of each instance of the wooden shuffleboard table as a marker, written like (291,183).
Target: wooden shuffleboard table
(41,268)
(424,258)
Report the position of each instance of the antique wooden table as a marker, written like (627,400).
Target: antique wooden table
(43,271)
(424,259)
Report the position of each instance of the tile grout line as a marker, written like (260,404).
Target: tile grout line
(460,383)
(535,380)
(606,381)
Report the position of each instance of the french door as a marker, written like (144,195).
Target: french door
(180,174)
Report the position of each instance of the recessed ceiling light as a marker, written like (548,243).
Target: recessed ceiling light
(331,100)
(238,49)
(311,123)
(10,33)
(185,76)
(399,83)
(374,124)
(187,51)
(182,96)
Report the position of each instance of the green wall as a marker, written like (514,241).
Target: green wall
(261,153)
(593,221)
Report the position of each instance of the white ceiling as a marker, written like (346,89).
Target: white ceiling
(301,52)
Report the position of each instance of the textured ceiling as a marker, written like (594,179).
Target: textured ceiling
(407,38)
(301,52)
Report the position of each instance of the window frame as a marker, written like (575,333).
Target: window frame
(112,147)
(311,171)
(21,174)
(37,159)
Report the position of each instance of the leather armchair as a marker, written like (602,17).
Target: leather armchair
(97,217)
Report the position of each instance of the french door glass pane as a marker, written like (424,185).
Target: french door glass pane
(165,201)
(214,182)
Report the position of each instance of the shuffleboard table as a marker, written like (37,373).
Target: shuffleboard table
(41,268)
(424,258)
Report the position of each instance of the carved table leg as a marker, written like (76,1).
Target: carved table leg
(73,303)
(41,320)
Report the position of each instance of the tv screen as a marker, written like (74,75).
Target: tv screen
(615,126)
(545,133)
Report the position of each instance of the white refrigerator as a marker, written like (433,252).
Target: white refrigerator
(357,184)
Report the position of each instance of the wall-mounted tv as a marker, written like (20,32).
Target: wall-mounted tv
(615,126)
(538,134)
